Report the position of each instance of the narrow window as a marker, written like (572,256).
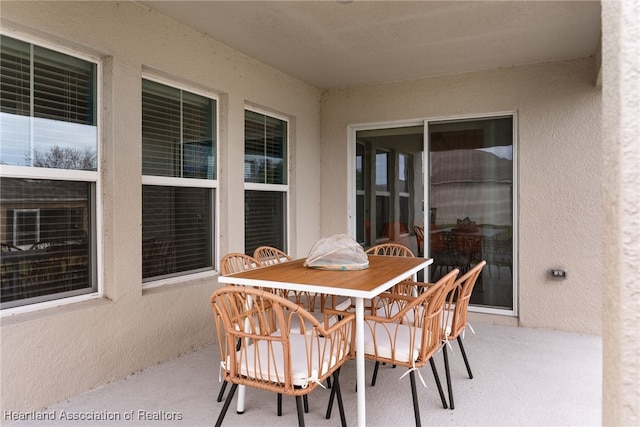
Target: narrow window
(265,176)
(179,181)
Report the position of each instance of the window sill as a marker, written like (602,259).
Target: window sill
(47,308)
(168,283)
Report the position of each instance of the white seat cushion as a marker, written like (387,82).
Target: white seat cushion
(398,336)
(270,364)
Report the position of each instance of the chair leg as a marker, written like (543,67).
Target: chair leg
(306,404)
(448,375)
(227,402)
(300,411)
(464,357)
(414,394)
(338,392)
(375,374)
(330,405)
(437,378)
(279,404)
(221,393)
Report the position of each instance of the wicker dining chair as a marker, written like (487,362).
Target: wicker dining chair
(315,303)
(235,262)
(394,249)
(455,319)
(268,255)
(404,287)
(258,348)
(407,331)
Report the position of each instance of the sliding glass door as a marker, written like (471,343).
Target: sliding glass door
(454,204)
(471,204)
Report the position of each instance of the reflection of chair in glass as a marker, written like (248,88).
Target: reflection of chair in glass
(10,273)
(42,245)
(158,256)
(6,247)
(498,252)
(419,230)
(407,331)
(455,318)
(258,349)
(466,248)
(443,251)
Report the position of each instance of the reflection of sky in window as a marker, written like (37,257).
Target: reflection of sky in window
(381,168)
(502,151)
(15,138)
(402,167)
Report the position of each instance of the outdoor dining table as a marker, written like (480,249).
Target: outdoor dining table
(383,272)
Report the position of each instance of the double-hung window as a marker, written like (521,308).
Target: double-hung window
(48,174)
(265,177)
(179,180)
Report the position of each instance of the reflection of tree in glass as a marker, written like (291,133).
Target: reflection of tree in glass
(64,158)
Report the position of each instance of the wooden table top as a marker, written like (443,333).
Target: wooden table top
(383,272)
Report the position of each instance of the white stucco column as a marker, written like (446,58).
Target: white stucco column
(621,196)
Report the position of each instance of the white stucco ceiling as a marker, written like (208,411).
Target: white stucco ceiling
(338,43)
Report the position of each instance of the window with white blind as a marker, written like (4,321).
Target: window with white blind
(179,181)
(49,157)
(266,186)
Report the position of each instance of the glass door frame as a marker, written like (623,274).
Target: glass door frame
(351,186)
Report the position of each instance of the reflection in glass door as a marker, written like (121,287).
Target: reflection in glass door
(471,204)
(389,188)
(469,211)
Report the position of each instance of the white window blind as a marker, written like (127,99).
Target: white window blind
(48,108)
(178,147)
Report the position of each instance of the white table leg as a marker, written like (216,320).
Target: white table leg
(240,407)
(362,412)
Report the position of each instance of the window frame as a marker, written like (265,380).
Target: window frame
(165,181)
(281,188)
(91,177)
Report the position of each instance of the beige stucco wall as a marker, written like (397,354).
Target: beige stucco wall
(621,197)
(560,221)
(56,353)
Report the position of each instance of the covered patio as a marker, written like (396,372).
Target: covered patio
(141,342)
(522,377)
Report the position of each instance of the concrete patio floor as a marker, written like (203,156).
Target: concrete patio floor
(522,377)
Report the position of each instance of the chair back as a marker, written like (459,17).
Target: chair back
(390,249)
(419,231)
(407,330)
(236,262)
(258,347)
(395,249)
(268,255)
(457,304)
